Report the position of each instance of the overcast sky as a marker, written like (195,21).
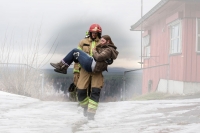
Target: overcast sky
(33,25)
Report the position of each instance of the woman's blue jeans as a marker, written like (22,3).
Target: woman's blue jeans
(84,59)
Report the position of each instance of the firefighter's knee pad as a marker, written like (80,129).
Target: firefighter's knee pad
(82,94)
(95,94)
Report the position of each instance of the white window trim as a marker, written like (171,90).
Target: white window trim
(178,21)
(147,56)
(197,34)
(145,47)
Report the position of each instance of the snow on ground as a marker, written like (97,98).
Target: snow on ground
(20,114)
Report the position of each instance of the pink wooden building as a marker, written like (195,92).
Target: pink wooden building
(171,47)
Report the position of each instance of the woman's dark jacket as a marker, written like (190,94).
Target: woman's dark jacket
(101,54)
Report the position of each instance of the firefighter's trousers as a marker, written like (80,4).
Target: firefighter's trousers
(90,101)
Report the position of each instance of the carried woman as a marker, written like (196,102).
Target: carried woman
(103,55)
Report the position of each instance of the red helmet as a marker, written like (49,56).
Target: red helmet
(95,28)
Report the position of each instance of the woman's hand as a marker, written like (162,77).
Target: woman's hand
(94,49)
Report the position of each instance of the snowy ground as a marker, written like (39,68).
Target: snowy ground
(19,114)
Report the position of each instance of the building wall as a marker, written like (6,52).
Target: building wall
(178,87)
(182,67)
(160,44)
(191,57)
(152,76)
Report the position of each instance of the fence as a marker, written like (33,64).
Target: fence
(139,81)
(132,83)
(166,78)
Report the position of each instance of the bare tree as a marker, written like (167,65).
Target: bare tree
(24,76)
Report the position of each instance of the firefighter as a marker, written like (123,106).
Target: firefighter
(90,102)
(90,46)
(76,71)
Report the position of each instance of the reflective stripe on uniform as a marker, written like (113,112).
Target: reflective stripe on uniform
(93,45)
(76,71)
(84,102)
(79,48)
(92,104)
(92,107)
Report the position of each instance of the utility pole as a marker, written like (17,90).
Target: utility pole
(42,84)
(124,88)
(141,30)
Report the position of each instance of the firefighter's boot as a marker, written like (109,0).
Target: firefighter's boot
(83,100)
(60,67)
(90,115)
(85,111)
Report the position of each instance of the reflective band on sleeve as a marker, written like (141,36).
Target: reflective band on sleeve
(79,48)
(76,71)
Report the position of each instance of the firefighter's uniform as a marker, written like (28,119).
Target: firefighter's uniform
(96,79)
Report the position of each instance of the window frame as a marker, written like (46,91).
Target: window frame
(179,37)
(146,46)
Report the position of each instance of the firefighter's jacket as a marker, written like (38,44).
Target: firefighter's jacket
(86,45)
(103,52)
(96,79)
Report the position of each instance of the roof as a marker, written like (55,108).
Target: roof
(152,11)
(137,26)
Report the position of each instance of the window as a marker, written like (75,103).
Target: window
(147,52)
(146,44)
(175,37)
(198,35)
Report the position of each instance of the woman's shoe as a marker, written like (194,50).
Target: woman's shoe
(63,71)
(60,67)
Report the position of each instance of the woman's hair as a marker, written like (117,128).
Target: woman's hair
(107,37)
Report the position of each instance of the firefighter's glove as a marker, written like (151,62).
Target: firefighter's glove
(71,87)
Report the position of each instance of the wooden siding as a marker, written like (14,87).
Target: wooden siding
(159,56)
(154,74)
(191,60)
(182,67)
